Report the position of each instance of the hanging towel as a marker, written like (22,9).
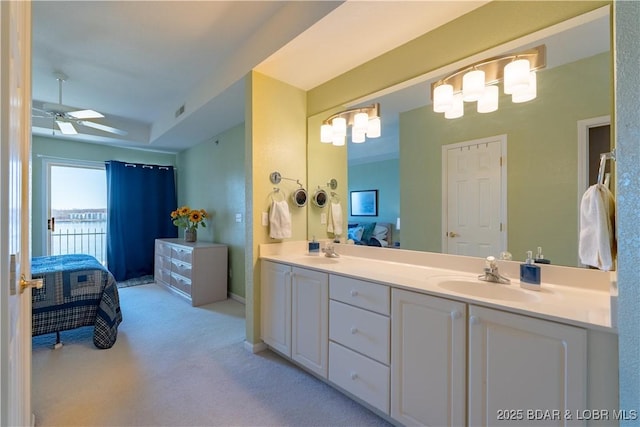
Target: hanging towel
(334,224)
(597,246)
(279,220)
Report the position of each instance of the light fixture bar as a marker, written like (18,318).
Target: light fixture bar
(372,111)
(365,122)
(494,68)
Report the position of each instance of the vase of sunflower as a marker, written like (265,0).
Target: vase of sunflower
(190,220)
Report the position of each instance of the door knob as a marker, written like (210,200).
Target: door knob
(24,283)
(453,234)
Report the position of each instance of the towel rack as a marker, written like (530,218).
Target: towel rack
(603,162)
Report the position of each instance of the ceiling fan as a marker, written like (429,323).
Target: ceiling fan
(65,117)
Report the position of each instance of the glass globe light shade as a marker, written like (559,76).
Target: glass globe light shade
(458,108)
(374,128)
(361,122)
(326,133)
(339,125)
(530,93)
(338,140)
(442,98)
(489,100)
(357,135)
(473,85)
(516,76)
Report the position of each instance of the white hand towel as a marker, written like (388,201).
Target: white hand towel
(334,225)
(279,220)
(597,246)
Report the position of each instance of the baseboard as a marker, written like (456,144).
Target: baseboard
(255,348)
(237,298)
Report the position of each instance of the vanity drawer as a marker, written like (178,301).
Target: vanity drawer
(361,330)
(363,377)
(367,295)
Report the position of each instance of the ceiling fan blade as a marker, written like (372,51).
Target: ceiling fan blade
(101,127)
(57,108)
(85,114)
(66,128)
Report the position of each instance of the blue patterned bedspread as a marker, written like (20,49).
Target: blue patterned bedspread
(78,291)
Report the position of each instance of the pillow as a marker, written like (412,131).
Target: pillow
(380,232)
(355,233)
(367,232)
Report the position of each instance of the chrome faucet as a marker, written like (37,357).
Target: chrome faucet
(491,273)
(330,252)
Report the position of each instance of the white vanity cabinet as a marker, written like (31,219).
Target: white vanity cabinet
(428,359)
(450,359)
(359,334)
(295,314)
(518,363)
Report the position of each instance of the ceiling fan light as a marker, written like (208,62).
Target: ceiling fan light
(85,114)
(473,85)
(530,93)
(374,128)
(326,133)
(516,76)
(457,110)
(442,98)
(488,102)
(66,128)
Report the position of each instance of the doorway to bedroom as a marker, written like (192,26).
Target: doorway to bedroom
(76,208)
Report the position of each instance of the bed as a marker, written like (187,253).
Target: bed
(78,291)
(371,233)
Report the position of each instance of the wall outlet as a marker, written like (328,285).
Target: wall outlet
(238,217)
(265,218)
(323,218)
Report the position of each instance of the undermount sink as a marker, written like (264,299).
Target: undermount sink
(477,288)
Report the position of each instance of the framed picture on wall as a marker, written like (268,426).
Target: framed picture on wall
(364,203)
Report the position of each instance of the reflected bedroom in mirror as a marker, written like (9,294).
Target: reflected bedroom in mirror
(484,183)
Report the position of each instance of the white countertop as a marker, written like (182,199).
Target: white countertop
(584,307)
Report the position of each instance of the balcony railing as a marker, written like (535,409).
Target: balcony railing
(80,241)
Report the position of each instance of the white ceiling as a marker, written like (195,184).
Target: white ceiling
(137,62)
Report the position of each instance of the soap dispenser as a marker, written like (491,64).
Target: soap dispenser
(314,247)
(530,274)
(540,259)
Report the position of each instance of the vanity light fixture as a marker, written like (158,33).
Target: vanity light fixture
(478,82)
(364,122)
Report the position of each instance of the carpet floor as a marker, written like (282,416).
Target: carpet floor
(177,365)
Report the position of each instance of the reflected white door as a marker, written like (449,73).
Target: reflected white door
(474,197)
(15,256)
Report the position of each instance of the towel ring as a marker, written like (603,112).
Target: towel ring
(320,198)
(299,197)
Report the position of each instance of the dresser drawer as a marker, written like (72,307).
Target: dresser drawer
(367,295)
(182,254)
(181,268)
(360,330)
(163,249)
(181,283)
(162,275)
(162,262)
(360,376)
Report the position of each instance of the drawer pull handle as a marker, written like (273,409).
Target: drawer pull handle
(354,330)
(474,320)
(455,314)
(354,293)
(353,375)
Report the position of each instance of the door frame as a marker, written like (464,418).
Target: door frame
(502,139)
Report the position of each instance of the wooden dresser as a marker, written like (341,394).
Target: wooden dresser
(194,270)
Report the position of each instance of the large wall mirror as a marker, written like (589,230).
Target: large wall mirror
(546,147)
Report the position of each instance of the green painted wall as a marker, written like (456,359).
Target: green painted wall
(542,167)
(72,150)
(383,176)
(275,141)
(211,177)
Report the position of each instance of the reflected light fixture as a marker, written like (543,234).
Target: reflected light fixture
(364,122)
(478,82)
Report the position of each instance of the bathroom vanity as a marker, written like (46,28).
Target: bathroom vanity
(418,339)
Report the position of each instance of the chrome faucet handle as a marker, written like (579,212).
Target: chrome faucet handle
(491,263)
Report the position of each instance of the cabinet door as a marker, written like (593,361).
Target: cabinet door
(428,360)
(275,280)
(310,319)
(518,364)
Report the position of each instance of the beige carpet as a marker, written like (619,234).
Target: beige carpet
(177,365)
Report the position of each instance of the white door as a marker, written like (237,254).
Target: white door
(474,197)
(15,256)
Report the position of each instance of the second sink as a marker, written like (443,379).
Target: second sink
(487,290)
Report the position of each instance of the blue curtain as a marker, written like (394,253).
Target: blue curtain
(140,199)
